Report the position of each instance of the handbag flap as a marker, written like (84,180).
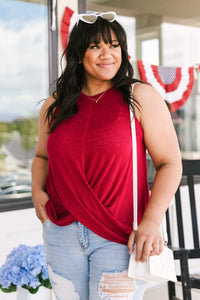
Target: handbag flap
(136,267)
(163,265)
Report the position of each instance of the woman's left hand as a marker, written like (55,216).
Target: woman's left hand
(147,241)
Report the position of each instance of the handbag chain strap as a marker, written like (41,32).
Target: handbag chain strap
(135,181)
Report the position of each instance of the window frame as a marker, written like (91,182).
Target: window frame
(24,200)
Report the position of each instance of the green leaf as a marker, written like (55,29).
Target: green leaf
(30,289)
(12,288)
(46,283)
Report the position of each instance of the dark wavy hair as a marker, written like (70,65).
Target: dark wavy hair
(70,83)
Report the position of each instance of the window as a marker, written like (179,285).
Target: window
(181,47)
(24,82)
(150,51)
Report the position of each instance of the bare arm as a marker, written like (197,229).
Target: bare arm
(161,142)
(40,165)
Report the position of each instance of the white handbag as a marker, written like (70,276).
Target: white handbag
(158,268)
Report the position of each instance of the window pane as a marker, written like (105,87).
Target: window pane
(150,51)
(24,82)
(181,47)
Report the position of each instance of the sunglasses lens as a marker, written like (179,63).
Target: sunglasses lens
(89,18)
(108,16)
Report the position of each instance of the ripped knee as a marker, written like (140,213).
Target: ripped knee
(116,285)
(62,287)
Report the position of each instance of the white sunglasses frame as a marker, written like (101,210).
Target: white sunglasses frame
(96,15)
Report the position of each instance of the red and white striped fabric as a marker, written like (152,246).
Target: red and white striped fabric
(174,84)
(69,19)
(198,79)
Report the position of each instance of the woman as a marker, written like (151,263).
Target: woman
(82,171)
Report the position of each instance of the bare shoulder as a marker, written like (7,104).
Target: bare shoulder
(43,128)
(149,100)
(142,92)
(46,104)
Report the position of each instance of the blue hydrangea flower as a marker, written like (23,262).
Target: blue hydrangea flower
(25,267)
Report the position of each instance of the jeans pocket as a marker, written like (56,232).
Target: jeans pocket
(46,222)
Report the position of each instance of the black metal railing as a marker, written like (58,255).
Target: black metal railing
(15,201)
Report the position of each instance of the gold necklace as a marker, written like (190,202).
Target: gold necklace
(96,100)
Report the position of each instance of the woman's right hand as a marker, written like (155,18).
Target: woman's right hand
(39,200)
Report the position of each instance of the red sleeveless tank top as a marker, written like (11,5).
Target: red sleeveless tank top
(90,176)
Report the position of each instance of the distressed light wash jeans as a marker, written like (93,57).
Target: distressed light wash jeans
(85,266)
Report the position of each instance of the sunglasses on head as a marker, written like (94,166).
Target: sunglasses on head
(91,18)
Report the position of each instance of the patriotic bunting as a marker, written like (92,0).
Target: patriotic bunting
(174,84)
(70,18)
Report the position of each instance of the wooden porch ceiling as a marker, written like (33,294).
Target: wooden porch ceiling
(178,11)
